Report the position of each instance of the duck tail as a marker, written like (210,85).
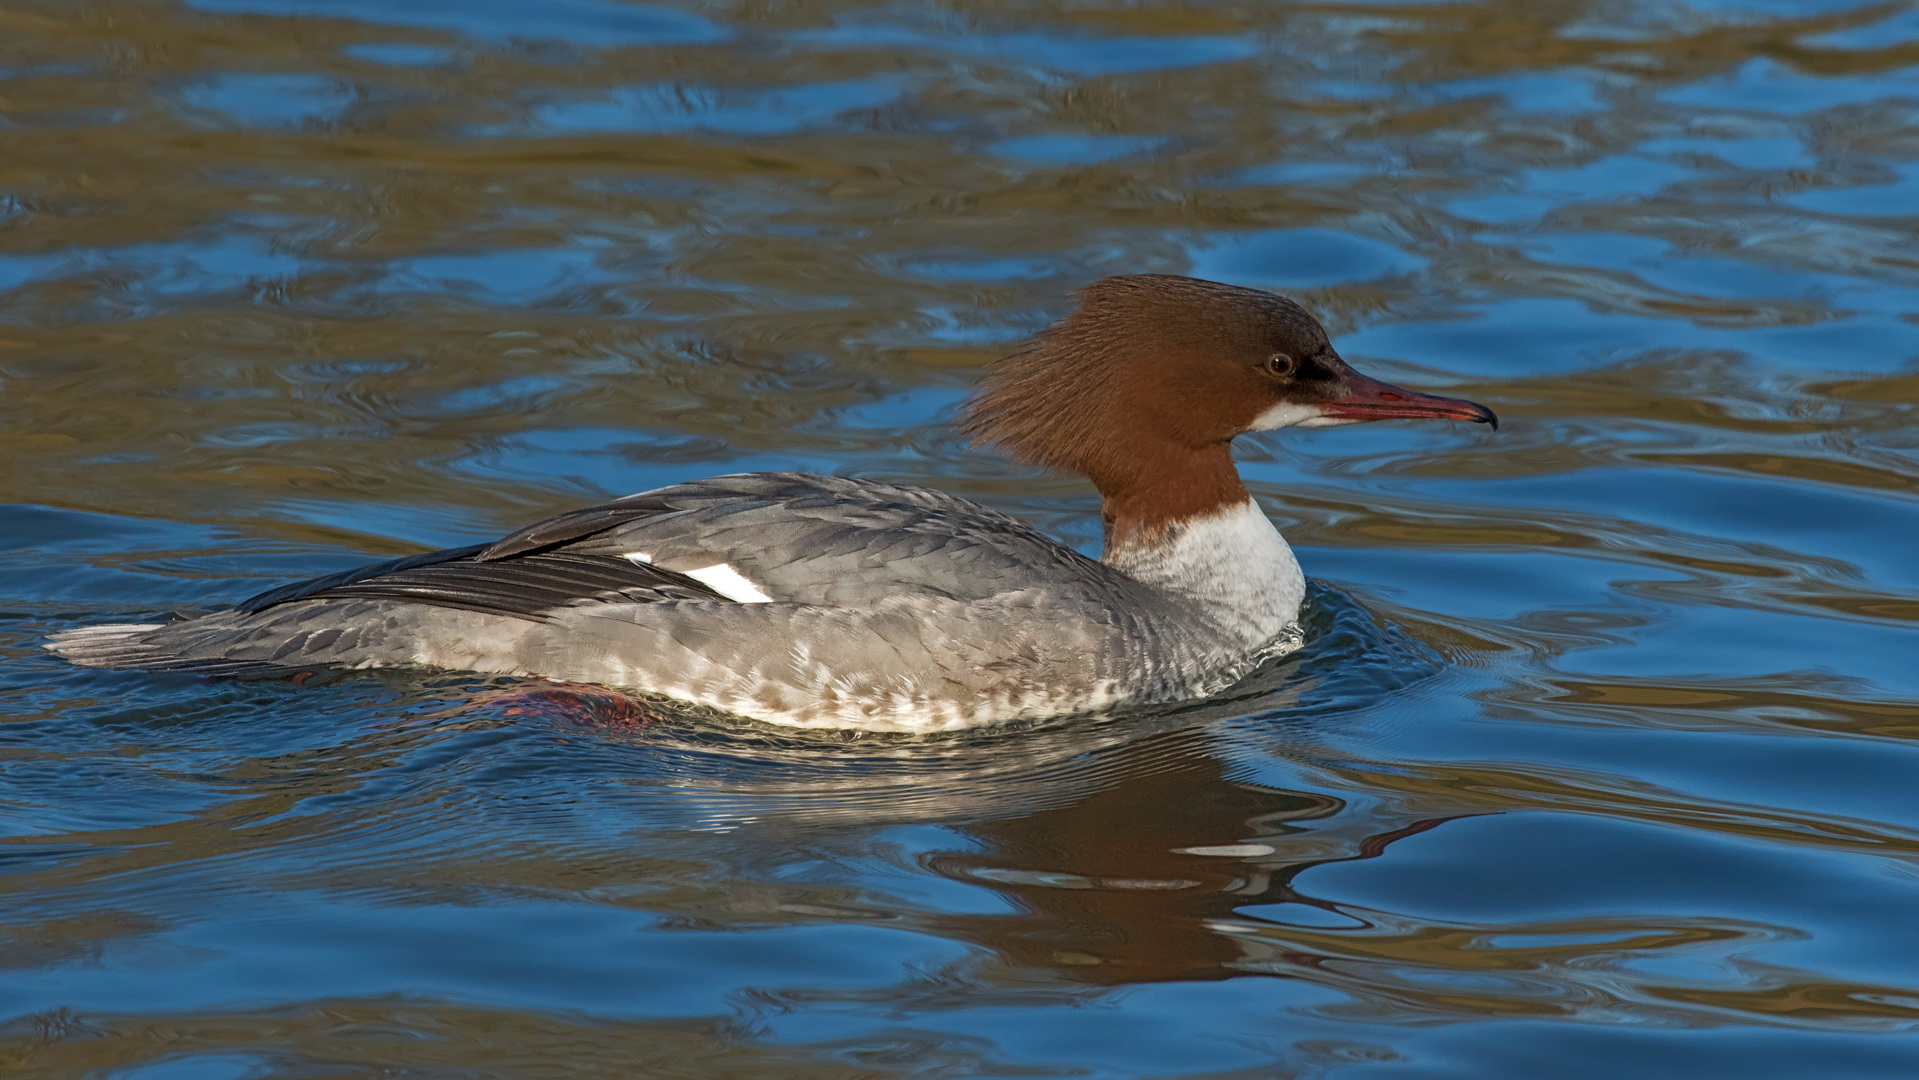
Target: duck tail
(138,646)
(116,645)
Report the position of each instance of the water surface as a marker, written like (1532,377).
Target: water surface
(1600,761)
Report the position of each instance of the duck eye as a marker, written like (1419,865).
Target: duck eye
(1281,365)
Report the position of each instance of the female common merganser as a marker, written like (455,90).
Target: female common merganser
(821,601)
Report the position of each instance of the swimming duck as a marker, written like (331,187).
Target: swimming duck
(825,601)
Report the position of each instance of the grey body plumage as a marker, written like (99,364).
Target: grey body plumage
(891,608)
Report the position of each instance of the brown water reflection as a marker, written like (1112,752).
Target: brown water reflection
(1600,763)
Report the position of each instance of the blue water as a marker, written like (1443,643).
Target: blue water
(1599,762)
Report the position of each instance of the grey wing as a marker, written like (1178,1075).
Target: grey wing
(816,539)
(529,587)
(442,608)
(829,543)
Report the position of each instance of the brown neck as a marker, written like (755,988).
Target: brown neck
(1160,485)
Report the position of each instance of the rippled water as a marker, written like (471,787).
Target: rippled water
(1600,762)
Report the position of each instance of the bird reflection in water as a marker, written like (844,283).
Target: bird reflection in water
(1129,849)
(1147,880)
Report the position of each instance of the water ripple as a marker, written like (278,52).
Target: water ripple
(1595,765)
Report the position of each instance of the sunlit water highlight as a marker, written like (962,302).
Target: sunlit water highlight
(1600,760)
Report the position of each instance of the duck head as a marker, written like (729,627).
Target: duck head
(1143,387)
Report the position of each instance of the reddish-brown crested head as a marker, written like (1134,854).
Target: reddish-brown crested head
(1143,387)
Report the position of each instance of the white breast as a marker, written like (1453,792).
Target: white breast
(1234,562)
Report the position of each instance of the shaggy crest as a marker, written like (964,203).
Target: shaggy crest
(1142,389)
(1135,358)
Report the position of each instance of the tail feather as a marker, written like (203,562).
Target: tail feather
(117,645)
(134,646)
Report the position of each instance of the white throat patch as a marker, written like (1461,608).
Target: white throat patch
(1287,414)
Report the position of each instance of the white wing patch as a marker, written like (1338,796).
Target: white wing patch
(728,582)
(720,577)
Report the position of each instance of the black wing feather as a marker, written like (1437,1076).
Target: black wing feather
(525,586)
(301,590)
(579,524)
